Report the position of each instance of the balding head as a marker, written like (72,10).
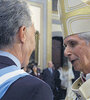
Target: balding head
(50,64)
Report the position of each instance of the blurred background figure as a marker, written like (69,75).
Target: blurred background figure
(51,76)
(57,91)
(48,75)
(64,81)
(35,71)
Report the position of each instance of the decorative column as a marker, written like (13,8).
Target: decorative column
(49,31)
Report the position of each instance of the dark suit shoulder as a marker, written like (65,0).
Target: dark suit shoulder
(28,88)
(46,70)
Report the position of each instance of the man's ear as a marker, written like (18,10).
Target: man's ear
(22,34)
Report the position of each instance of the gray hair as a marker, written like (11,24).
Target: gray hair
(85,36)
(13,15)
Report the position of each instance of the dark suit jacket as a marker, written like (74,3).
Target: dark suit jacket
(25,88)
(49,78)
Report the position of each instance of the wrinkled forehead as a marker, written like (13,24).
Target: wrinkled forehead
(69,36)
(81,35)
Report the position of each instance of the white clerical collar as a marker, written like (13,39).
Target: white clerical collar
(88,76)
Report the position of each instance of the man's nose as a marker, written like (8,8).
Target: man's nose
(67,52)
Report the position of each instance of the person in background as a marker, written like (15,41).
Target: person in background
(17,42)
(64,80)
(77,49)
(57,90)
(48,75)
(35,71)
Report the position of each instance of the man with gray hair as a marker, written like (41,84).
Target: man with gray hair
(17,42)
(77,49)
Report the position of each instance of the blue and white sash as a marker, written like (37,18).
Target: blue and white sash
(9,75)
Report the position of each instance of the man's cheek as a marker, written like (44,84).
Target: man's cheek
(86,60)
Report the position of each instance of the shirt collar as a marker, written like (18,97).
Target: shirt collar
(12,57)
